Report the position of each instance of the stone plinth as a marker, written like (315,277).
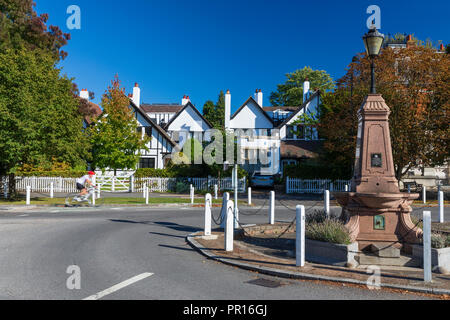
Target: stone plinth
(377,212)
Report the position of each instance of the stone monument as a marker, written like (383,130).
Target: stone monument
(378,214)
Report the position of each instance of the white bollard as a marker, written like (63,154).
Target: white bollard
(28,195)
(346,188)
(272,208)
(5,189)
(229,226)
(208,203)
(99,191)
(146,195)
(327,202)
(249,196)
(427,277)
(51,190)
(192,194)
(441,206)
(216,189)
(145,188)
(93,198)
(424,194)
(300,237)
(223,213)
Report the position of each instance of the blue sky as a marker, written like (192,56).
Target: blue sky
(200,47)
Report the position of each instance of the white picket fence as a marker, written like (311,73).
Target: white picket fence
(314,186)
(42,184)
(122,184)
(202,184)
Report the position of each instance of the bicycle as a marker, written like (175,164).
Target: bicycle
(75,200)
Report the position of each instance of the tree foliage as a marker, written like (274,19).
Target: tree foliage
(20,26)
(215,113)
(39,118)
(290,93)
(115,140)
(415,83)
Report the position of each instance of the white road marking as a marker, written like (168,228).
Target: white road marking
(119,286)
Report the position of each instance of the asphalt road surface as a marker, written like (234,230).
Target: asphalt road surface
(134,253)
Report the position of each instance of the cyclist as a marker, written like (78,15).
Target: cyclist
(81,184)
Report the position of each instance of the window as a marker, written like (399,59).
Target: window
(147,163)
(148,131)
(300,132)
(290,132)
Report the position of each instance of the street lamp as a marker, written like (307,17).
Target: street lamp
(373,40)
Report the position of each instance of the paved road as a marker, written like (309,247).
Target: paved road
(113,245)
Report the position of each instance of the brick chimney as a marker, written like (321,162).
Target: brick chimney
(410,43)
(185,100)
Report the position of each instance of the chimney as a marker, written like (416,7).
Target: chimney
(185,100)
(306,87)
(259,97)
(410,43)
(137,95)
(228,110)
(84,94)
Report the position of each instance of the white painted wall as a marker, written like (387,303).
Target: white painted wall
(250,117)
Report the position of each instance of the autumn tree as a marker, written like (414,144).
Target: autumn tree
(116,142)
(415,84)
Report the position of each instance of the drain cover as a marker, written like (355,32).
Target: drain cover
(265,283)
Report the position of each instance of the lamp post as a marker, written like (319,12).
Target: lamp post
(373,40)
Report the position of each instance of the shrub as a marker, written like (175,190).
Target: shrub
(319,216)
(328,231)
(182,187)
(438,241)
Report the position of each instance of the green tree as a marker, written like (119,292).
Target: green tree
(115,139)
(215,113)
(290,93)
(39,117)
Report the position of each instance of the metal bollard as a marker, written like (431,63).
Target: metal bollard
(229,226)
(424,194)
(272,208)
(300,237)
(208,203)
(223,213)
(327,202)
(427,276)
(441,206)
(28,195)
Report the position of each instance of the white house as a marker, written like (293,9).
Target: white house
(271,138)
(170,125)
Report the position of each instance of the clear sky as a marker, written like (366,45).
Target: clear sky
(200,47)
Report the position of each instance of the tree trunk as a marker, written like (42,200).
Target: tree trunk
(12,186)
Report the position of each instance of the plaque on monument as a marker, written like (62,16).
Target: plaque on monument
(376,160)
(378,223)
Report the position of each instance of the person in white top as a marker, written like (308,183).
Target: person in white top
(81,182)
